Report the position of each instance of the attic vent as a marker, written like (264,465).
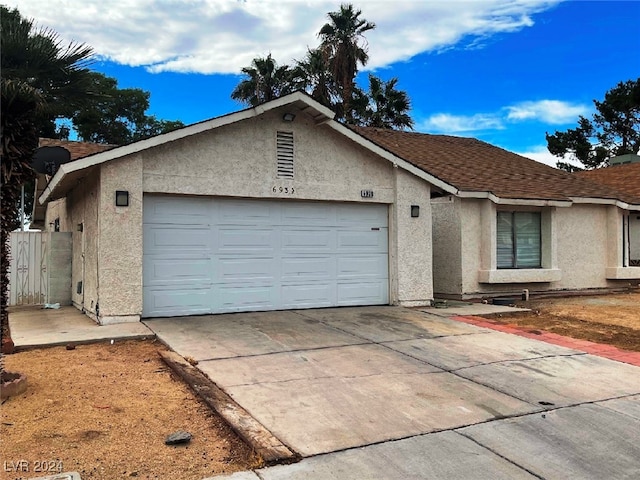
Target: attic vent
(284,154)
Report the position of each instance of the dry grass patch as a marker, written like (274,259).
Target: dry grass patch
(105,410)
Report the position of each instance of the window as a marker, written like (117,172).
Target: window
(519,242)
(631,240)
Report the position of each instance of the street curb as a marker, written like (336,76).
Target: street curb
(271,449)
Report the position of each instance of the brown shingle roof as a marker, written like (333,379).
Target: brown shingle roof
(76,149)
(472,165)
(624,178)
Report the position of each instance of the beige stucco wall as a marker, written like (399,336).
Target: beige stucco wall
(120,256)
(581,244)
(57,210)
(81,206)
(410,246)
(240,160)
(447,247)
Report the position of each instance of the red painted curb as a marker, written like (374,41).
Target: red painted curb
(599,349)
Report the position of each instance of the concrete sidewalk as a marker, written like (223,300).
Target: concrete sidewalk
(35,326)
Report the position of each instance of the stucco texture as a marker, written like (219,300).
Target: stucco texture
(82,208)
(239,160)
(120,257)
(579,244)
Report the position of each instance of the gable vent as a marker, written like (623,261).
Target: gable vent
(284,154)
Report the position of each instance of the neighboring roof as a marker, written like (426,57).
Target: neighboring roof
(76,149)
(475,166)
(624,178)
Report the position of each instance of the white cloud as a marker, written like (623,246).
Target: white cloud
(542,155)
(447,123)
(222,36)
(553,112)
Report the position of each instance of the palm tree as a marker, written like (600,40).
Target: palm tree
(312,75)
(344,48)
(388,107)
(266,81)
(42,79)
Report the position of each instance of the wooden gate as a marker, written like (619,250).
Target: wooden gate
(40,268)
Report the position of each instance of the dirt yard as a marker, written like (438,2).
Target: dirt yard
(105,410)
(610,319)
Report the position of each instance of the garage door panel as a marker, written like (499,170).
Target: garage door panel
(233,255)
(246,240)
(308,268)
(365,240)
(308,295)
(307,240)
(189,300)
(164,238)
(178,211)
(242,212)
(242,298)
(308,214)
(247,269)
(362,267)
(362,215)
(175,271)
(363,293)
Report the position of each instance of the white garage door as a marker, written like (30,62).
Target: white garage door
(205,255)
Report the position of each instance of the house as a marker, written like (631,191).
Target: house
(623,176)
(282,207)
(507,223)
(273,207)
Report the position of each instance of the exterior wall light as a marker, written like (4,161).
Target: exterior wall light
(415,211)
(122,198)
(288,117)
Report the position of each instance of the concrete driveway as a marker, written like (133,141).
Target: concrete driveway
(400,382)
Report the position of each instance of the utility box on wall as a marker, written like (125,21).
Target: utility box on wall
(40,269)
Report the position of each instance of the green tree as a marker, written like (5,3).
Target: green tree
(42,77)
(264,81)
(343,46)
(613,130)
(387,107)
(117,115)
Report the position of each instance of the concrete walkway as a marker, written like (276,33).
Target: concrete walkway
(387,392)
(35,326)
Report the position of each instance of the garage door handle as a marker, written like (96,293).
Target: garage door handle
(375,228)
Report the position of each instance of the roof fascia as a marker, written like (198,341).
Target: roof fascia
(514,201)
(607,201)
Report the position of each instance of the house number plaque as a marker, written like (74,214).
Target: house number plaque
(366,193)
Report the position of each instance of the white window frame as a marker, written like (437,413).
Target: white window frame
(516,261)
(489,271)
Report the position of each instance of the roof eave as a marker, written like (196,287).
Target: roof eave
(607,201)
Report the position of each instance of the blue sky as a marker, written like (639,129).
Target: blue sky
(504,71)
